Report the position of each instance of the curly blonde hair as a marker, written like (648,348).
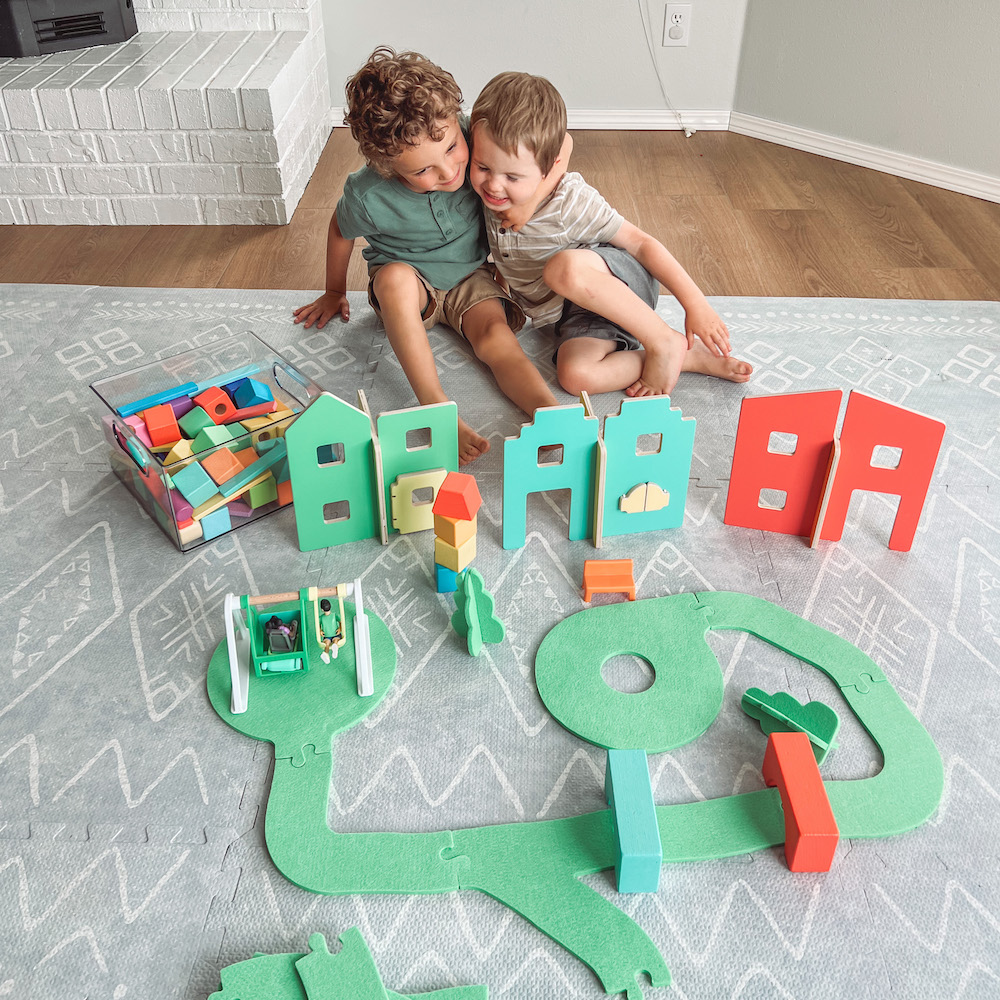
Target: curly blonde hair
(395,101)
(519,109)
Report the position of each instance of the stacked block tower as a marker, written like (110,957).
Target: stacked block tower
(455,510)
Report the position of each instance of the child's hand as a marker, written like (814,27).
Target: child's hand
(516,216)
(328,305)
(705,322)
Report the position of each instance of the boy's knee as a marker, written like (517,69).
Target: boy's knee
(565,272)
(395,279)
(491,342)
(574,376)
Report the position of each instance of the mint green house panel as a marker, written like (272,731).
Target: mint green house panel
(635,429)
(417,439)
(332,470)
(569,427)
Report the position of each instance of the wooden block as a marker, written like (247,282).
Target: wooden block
(161,425)
(629,792)
(608,576)
(453,530)
(811,833)
(454,557)
(285,492)
(458,497)
(217,404)
(221,465)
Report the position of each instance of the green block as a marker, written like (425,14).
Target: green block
(211,437)
(262,493)
(195,420)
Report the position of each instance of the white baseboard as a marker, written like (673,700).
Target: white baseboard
(648,121)
(899,164)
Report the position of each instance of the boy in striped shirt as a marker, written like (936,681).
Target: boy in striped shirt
(577,268)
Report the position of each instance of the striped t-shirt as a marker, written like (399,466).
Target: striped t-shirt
(574,216)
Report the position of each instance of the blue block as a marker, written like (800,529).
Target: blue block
(217,523)
(638,851)
(250,392)
(445,579)
(194,484)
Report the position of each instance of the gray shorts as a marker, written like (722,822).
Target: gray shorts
(579,322)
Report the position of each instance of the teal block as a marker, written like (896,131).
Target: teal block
(271,457)
(577,433)
(440,419)
(446,580)
(217,523)
(669,468)
(249,392)
(638,850)
(322,485)
(194,484)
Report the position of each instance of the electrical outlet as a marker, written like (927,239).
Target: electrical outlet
(677,24)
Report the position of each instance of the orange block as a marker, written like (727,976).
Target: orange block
(453,530)
(458,497)
(161,425)
(221,465)
(216,403)
(246,456)
(608,576)
(285,492)
(811,833)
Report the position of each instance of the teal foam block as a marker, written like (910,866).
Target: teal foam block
(570,427)
(669,467)
(638,851)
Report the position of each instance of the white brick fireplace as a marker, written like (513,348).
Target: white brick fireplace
(215,113)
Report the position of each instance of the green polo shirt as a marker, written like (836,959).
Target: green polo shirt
(440,233)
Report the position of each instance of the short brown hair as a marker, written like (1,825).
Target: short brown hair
(394,101)
(523,110)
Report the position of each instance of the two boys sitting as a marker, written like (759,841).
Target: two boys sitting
(572,264)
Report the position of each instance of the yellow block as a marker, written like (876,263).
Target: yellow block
(455,558)
(453,530)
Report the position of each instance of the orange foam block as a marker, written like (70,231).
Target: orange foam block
(811,833)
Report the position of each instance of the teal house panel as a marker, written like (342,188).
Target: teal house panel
(416,440)
(647,442)
(570,428)
(331,462)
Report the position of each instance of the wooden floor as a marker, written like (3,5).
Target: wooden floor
(744,216)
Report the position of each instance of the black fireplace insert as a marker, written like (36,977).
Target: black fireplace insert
(37,27)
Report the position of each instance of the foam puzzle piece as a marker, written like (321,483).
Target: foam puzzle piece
(679,706)
(811,833)
(320,975)
(439,421)
(407,514)
(577,433)
(638,851)
(534,868)
(669,466)
(868,424)
(334,487)
(812,418)
(781,713)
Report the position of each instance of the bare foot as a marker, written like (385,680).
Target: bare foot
(660,368)
(470,444)
(701,359)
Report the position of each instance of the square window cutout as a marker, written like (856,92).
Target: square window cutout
(418,439)
(339,510)
(782,443)
(550,454)
(772,499)
(330,454)
(422,496)
(886,457)
(648,444)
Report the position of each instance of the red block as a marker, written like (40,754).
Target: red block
(811,833)
(458,497)
(217,404)
(161,425)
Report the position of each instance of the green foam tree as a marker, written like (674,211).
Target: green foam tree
(780,712)
(474,619)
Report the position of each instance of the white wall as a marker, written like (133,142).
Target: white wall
(594,51)
(914,76)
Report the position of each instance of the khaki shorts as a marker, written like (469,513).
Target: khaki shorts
(450,306)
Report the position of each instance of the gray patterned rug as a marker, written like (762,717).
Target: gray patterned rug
(132,862)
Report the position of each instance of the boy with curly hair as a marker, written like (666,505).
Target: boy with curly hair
(424,226)
(577,267)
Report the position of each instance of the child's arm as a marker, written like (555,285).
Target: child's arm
(515,217)
(700,319)
(334,299)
